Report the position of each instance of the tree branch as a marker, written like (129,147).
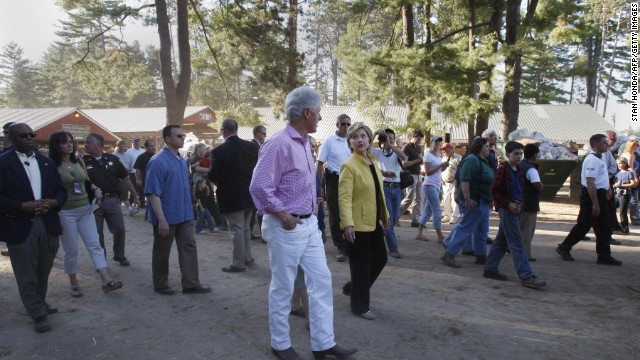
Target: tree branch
(211,50)
(466,28)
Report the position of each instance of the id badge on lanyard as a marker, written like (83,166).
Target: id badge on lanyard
(77,188)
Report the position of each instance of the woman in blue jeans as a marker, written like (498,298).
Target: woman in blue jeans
(202,196)
(433,166)
(474,197)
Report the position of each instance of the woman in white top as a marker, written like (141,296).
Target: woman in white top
(432,166)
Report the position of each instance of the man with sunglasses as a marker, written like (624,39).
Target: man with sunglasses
(333,152)
(106,172)
(31,194)
(171,214)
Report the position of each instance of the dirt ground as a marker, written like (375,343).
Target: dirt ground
(425,310)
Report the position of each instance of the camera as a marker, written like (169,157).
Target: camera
(382,138)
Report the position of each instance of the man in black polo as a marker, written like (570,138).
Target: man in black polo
(106,172)
(141,164)
(413,199)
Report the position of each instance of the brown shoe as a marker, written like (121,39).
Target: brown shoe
(450,260)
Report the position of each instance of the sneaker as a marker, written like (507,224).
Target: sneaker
(614,242)
(533,283)
(454,221)
(213,231)
(395,254)
(564,254)
(609,260)
(133,211)
(340,257)
(200,232)
(446,219)
(495,275)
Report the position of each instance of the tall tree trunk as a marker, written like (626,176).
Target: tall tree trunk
(176,94)
(471,90)
(334,81)
(408,40)
(292,30)
(593,59)
(613,62)
(513,65)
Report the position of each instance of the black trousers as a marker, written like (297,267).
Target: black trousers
(367,258)
(624,209)
(331,191)
(601,224)
(613,219)
(32,261)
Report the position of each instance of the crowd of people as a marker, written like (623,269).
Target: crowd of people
(282,183)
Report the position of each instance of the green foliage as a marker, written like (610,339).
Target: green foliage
(243,114)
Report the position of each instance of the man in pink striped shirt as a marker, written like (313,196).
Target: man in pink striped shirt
(283,189)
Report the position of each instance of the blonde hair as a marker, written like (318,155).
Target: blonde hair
(630,144)
(357,126)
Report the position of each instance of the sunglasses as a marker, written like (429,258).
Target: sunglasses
(26,135)
(345,124)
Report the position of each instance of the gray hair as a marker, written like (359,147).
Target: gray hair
(299,99)
(489,132)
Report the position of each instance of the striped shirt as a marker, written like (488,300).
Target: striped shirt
(285,176)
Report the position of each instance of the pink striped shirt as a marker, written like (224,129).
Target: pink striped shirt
(284,178)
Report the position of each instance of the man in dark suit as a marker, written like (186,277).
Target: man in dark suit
(31,194)
(231,171)
(259,135)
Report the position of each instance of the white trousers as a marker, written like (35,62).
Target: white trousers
(450,206)
(288,248)
(80,221)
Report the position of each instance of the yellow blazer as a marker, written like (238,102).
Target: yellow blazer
(357,195)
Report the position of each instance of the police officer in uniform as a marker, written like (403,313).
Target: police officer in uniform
(594,207)
(106,171)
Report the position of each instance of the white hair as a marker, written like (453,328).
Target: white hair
(299,99)
(489,132)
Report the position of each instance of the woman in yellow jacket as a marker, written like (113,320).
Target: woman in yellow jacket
(362,210)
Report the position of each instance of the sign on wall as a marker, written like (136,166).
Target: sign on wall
(79,132)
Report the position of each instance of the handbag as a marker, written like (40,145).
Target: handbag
(406,180)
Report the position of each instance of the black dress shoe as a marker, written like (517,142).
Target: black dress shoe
(415,224)
(42,324)
(231,269)
(564,254)
(609,260)
(337,351)
(287,354)
(50,309)
(613,241)
(165,291)
(197,290)
(122,260)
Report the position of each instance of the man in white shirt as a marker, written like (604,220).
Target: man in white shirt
(126,160)
(333,152)
(134,151)
(389,158)
(594,207)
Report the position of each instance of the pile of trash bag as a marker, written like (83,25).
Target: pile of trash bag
(548,150)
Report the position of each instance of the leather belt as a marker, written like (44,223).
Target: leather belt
(306,216)
(391,184)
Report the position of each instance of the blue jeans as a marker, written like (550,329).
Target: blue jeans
(393,197)
(432,206)
(473,223)
(202,215)
(509,237)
